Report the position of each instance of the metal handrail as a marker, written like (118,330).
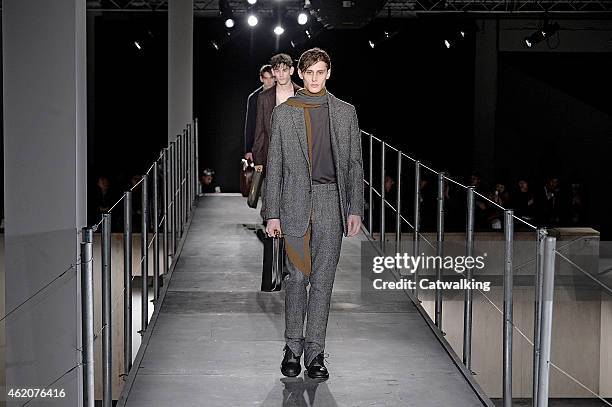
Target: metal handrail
(546,249)
(178,164)
(544,266)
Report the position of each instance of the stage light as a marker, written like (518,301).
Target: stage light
(379,37)
(454,39)
(226,13)
(455,35)
(302,18)
(540,35)
(252,20)
(251,2)
(220,41)
(137,44)
(279,30)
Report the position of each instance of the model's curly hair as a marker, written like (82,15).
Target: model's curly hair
(311,57)
(281,59)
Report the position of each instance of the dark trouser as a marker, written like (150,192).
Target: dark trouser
(325,244)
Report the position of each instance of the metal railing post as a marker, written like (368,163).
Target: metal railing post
(398,203)
(189,170)
(467,304)
(541,234)
(155,234)
(439,248)
(197,156)
(194,171)
(165,206)
(179,185)
(383,205)
(144,258)
(417,215)
(175,218)
(192,166)
(370,198)
(87,317)
(508,318)
(183,178)
(186,176)
(127,281)
(107,396)
(548,288)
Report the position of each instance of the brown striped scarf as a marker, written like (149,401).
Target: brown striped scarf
(298,248)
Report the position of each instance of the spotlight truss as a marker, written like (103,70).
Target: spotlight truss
(394,8)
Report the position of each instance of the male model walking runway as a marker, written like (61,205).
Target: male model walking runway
(314,194)
(282,69)
(267,79)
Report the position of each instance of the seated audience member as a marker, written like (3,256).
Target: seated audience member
(481,207)
(523,201)
(454,205)
(103,199)
(207,181)
(136,202)
(391,197)
(548,202)
(576,207)
(502,198)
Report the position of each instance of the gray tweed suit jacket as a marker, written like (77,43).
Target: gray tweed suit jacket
(288,183)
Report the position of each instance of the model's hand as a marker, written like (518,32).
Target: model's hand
(273,227)
(354,224)
(248,156)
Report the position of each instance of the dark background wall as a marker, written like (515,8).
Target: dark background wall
(554,116)
(130,108)
(553,109)
(410,90)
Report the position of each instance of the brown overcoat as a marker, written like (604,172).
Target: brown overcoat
(265,104)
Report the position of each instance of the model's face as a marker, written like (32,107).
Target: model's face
(267,79)
(315,76)
(103,183)
(389,183)
(282,73)
(475,180)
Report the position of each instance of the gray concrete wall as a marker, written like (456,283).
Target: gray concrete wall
(180,66)
(44,88)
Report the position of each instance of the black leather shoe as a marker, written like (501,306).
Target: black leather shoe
(317,369)
(290,366)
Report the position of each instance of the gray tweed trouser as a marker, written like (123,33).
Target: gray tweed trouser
(325,244)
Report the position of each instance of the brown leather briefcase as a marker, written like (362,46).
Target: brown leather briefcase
(246,176)
(255,190)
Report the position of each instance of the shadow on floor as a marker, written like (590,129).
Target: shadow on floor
(301,391)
